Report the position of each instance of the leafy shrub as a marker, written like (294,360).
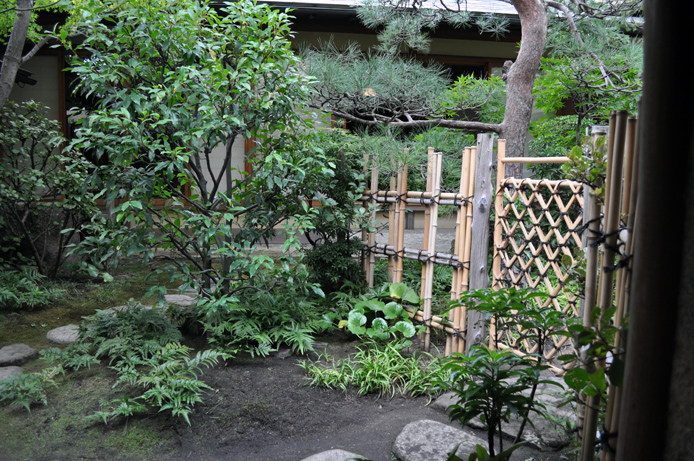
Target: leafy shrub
(145,350)
(27,289)
(168,377)
(114,334)
(330,259)
(42,197)
(275,311)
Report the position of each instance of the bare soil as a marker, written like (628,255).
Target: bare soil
(259,409)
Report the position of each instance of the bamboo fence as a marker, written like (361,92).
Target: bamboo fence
(613,278)
(396,201)
(537,224)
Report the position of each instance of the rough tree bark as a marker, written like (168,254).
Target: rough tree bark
(521,77)
(15,46)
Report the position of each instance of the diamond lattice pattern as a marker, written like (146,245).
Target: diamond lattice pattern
(540,222)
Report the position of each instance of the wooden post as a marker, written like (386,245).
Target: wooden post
(481,206)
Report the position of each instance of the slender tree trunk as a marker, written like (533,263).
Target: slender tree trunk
(521,77)
(15,46)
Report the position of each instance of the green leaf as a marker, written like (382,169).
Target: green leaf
(576,378)
(403,292)
(355,322)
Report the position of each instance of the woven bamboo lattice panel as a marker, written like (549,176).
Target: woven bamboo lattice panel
(537,223)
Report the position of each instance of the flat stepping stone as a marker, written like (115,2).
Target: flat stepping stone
(64,335)
(180,300)
(17,354)
(333,455)
(8,372)
(428,440)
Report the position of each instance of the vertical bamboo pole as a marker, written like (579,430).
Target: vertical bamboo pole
(623,285)
(365,234)
(436,181)
(461,315)
(427,215)
(401,207)
(613,190)
(498,234)
(452,341)
(392,228)
(372,235)
(592,210)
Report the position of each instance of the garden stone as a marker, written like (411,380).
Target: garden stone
(64,335)
(180,300)
(427,440)
(17,354)
(8,372)
(333,455)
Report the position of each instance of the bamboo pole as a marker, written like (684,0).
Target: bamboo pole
(623,286)
(436,183)
(613,190)
(460,230)
(534,160)
(592,209)
(402,206)
(372,236)
(365,234)
(427,215)
(498,234)
(392,229)
(461,315)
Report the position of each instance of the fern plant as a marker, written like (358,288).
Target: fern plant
(27,289)
(28,389)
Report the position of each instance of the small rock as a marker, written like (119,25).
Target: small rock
(8,372)
(444,401)
(283,353)
(64,335)
(427,440)
(334,455)
(17,354)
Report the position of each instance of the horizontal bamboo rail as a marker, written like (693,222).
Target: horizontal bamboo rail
(534,160)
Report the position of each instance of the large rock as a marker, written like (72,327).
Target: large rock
(427,440)
(17,354)
(334,455)
(8,372)
(64,335)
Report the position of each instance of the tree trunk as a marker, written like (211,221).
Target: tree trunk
(15,46)
(521,77)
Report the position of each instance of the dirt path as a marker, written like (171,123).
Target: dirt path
(259,409)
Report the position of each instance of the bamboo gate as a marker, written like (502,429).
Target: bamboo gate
(537,224)
(397,200)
